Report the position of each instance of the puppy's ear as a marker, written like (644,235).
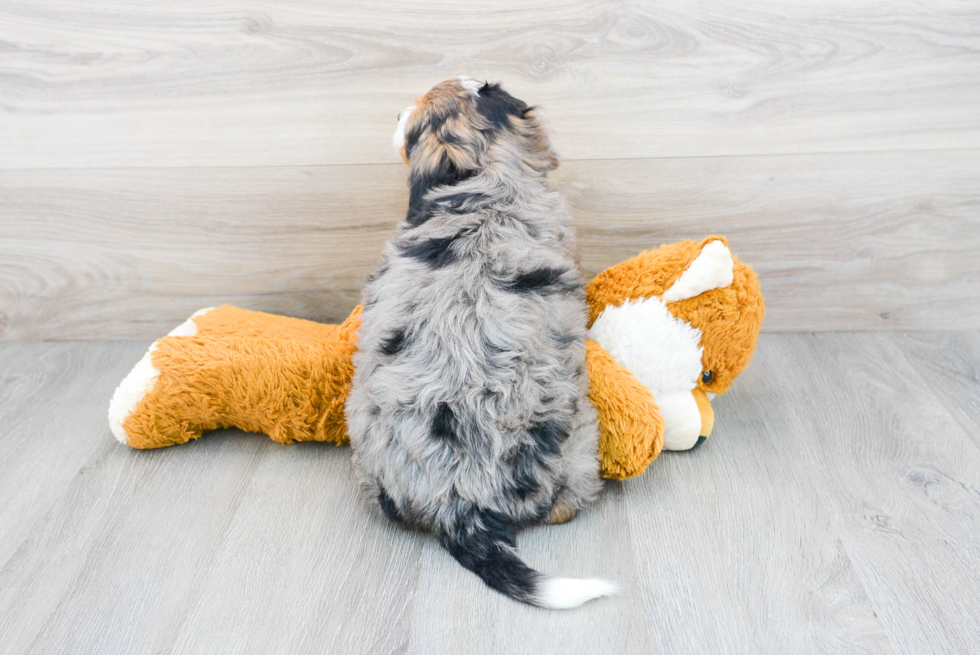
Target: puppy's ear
(505,112)
(499,108)
(539,154)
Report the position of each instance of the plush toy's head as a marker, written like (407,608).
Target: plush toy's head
(684,319)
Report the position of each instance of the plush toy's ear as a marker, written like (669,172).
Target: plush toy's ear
(713,268)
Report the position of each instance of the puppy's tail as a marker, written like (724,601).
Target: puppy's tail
(485,543)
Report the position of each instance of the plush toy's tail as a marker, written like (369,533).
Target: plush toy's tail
(485,544)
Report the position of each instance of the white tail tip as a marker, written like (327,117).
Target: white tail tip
(566,593)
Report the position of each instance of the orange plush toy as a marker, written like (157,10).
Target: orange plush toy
(668,328)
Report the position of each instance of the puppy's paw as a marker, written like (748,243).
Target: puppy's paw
(562,513)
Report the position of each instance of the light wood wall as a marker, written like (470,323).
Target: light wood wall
(159,157)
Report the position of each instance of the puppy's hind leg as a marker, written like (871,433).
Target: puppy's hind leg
(579,481)
(561,513)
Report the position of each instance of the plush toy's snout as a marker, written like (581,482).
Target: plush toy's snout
(707,413)
(707,416)
(688,418)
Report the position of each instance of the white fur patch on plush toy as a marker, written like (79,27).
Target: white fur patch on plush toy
(681,418)
(662,351)
(141,380)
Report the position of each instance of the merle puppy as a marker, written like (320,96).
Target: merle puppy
(469,413)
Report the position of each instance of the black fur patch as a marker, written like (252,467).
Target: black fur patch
(435,253)
(530,457)
(483,545)
(394,343)
(526,462)
(444,423)
(434,123)
(543,280)
(498,106)
(549,436)
(455,203)
(421,182)
(388,507)
(563,338)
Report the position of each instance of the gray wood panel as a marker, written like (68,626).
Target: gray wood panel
(854,241)
(304,550)
(737,552)
(596,544)
(136,251)
(950,363)
(896,473)
(834,510)
(273,82)
(52,411)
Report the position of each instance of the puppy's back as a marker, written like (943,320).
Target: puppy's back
(469,413)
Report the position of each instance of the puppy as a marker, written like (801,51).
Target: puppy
(468,415)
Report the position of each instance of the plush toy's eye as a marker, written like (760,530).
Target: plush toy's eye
(707,377)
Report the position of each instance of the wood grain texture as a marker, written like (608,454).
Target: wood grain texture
(136,250)
(737,551)
(596,544)
(834,510)
(305,550)
(271,82)
(883,241)
(855,241)
(52,406)
(950,363)
(898,476)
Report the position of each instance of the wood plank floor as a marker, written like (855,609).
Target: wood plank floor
(835,510)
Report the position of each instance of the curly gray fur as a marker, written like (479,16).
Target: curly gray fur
(469,414)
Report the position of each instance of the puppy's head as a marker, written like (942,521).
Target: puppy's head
(461,127)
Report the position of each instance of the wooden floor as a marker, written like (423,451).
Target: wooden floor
(835,510)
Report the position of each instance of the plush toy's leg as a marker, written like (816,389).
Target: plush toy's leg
(631,428)
(292,389)
(231,321)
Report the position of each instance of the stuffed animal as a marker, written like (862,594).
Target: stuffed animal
(667,328)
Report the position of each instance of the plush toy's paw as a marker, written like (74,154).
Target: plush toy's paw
(562,513)
(141,381)
(631,428)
